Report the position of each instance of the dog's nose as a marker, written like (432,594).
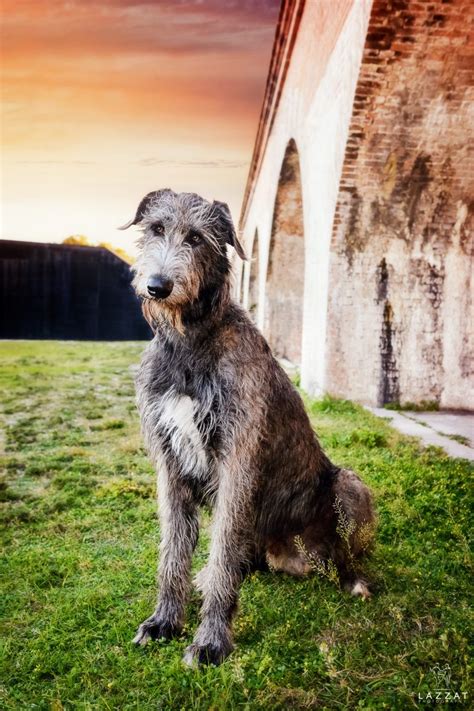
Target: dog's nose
(159,287)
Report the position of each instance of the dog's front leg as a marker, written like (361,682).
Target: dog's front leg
(179,533)
(220,579)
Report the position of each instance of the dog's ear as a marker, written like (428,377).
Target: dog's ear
(143,207)
(228,226)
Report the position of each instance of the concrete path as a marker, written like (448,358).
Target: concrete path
(434,428)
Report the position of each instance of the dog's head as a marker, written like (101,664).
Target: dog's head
(182,251)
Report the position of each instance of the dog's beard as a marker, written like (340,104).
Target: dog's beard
(171,309)
(156,312)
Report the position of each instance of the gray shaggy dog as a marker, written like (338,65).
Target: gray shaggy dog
(225,427)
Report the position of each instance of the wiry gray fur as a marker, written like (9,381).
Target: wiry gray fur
(224,426)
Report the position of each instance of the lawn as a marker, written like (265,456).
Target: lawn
(80,535)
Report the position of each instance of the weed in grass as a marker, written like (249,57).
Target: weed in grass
(126,489)
(349,534)
(458,438)
(329,404)
(109,425)
(326,568)
(7,494)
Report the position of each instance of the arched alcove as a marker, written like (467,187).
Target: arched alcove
(285,274)
(253,280)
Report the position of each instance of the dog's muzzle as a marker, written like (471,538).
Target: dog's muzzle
(159,287)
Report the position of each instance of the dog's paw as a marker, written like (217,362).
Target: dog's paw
(360,589)
(202,654)
(155,628)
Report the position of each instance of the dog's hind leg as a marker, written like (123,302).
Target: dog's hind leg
(179,534)
(352,581)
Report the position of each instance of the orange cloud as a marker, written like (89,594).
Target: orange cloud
(116,98)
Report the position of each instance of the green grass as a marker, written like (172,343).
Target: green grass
(458,438)
(80,536)
(423,406)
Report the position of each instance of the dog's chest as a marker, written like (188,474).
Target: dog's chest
(183,427)
(179,419)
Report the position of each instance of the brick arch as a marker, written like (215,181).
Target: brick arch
(285,283)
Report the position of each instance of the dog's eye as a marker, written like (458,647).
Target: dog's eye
(194,238)
(158,228)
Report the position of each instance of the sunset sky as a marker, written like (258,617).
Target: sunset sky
(105,100)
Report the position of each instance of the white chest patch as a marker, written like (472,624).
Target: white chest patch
(178,421)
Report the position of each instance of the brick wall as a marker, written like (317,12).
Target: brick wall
(400,297)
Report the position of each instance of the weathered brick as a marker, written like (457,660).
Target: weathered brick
(411,200)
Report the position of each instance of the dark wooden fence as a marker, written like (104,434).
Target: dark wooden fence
(63,291)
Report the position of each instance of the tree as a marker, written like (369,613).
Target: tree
(80,240)
(83,241)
